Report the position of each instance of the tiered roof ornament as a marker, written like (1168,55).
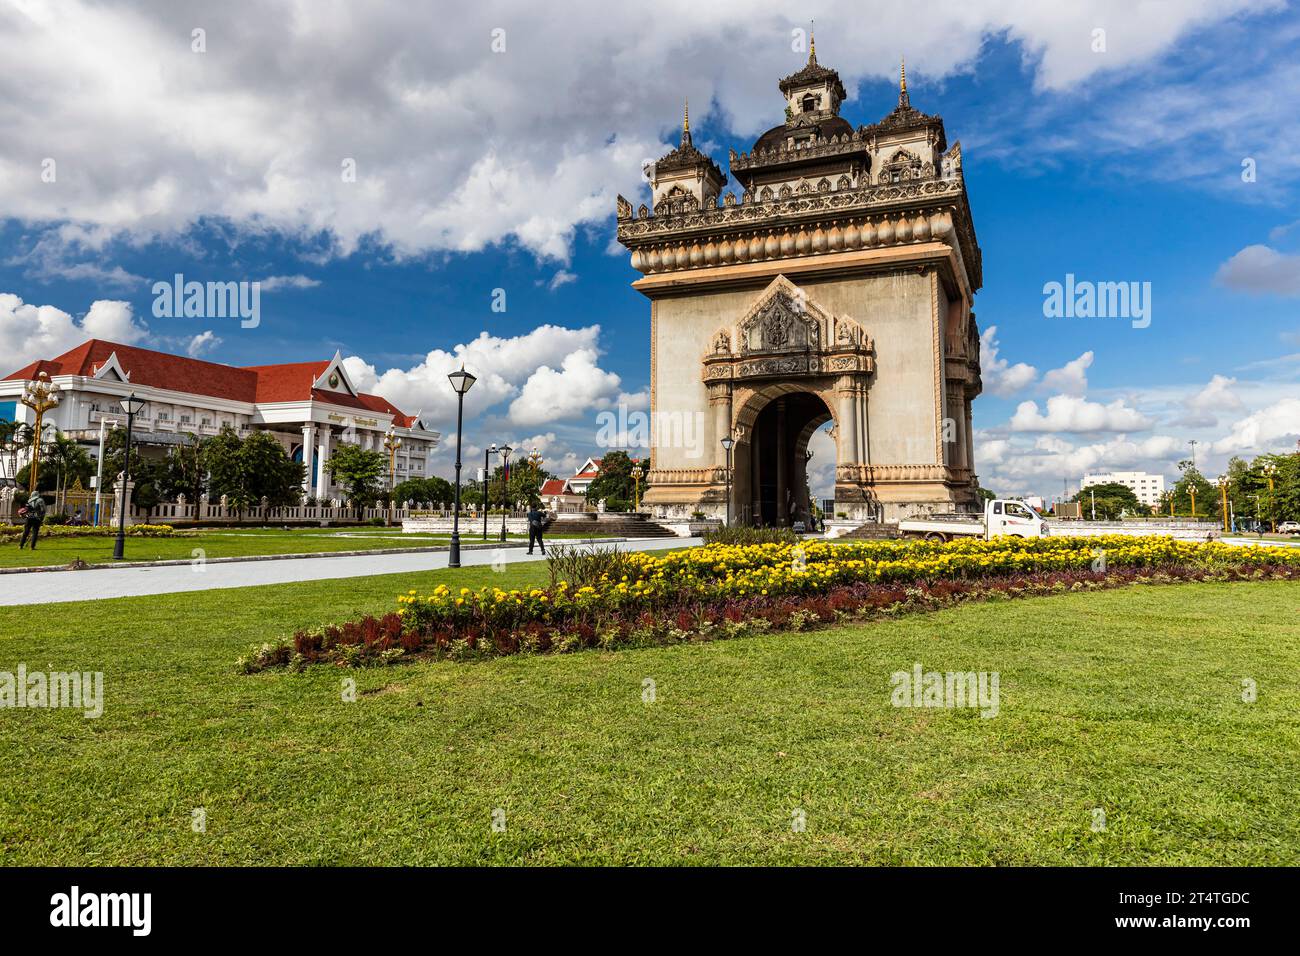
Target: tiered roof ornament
(686,156)
(905,116)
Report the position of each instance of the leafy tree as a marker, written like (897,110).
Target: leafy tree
(614,483)
(14,437)
(359,471)
(985,494)
(149,475)
(250,469)
(225,477)
(269,472)
(1112,500)
(525,484)
(1283,502)
(187,470)
(433,490)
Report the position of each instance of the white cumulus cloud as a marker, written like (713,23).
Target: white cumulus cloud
(29,332)
(1072,413)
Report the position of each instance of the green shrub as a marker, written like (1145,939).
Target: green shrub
(590,565)
(13,532)
(743,534)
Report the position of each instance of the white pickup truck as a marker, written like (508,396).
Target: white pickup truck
(1001,517)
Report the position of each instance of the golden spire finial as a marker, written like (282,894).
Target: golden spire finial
(812,41)
(902,75)
(686,116)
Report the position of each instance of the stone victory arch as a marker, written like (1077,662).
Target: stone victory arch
(836,288)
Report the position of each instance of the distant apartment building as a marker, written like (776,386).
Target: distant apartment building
(1148,488)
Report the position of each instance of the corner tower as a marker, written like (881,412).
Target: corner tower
(836,287)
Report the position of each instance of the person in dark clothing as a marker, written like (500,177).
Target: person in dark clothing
(32,524)
(536,521)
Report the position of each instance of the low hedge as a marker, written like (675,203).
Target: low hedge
(14,532)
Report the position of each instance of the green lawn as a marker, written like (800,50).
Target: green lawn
(1125,700)
(232,543)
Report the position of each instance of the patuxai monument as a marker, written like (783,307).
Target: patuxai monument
(833,284)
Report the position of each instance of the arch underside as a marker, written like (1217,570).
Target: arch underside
(770,465)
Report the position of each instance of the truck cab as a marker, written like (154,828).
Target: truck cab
(1015,518)
(1002,516)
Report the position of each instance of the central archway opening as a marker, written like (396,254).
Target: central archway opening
(772,472)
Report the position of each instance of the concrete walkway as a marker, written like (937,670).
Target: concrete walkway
(100,583)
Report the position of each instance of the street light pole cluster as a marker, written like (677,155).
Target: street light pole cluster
(391,443)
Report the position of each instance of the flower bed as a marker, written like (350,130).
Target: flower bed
(724,590)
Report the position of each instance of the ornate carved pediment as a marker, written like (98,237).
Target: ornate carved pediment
(785,333)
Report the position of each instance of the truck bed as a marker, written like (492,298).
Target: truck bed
(943,524)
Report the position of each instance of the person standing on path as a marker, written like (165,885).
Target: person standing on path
(536,519)
(35,515)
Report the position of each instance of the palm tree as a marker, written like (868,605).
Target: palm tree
(68,459)
(14,437)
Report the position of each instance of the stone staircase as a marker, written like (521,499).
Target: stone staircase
(609,525)
(871,531)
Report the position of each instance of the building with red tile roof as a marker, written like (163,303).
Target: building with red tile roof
(310,407)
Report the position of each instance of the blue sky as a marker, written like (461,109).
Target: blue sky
(480,171)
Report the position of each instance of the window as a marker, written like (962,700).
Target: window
(809,103)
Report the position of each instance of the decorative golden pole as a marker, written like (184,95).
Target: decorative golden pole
(40,396)
(1270,469)
(391,443)
(637,472)
(1223,497)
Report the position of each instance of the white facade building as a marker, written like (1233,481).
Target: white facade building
(1148,488)
(309,407)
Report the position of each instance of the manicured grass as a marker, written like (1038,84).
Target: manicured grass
(1126,700)
(95,549)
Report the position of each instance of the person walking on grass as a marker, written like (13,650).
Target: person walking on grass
(34,514)
(536,520)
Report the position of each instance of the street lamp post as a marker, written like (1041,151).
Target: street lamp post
(1270,469)
(391,444)
(130,405)
(40,395)
(461,382)
(490,450)
(637,472)
(726,445)
(1223,497)
(535,461)
(505,486)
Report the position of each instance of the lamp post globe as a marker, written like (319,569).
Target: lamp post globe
(461,382)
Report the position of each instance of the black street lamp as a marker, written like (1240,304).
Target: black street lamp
(726,444)
(461,382)
(490,450)
(130,405)
(505,486)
